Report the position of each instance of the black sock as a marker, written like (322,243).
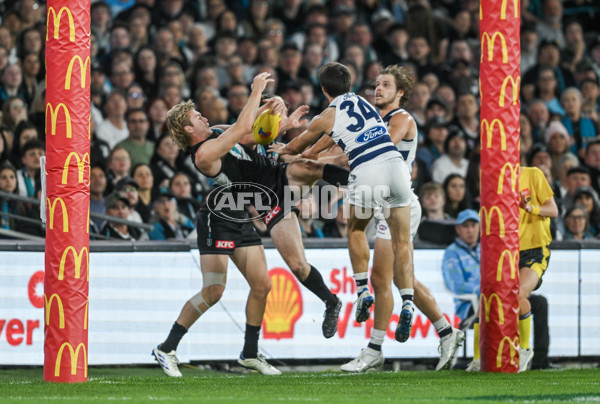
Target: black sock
(373,346)
(251,342)
(170,344)
(445,331)
(335,175)
(314,283)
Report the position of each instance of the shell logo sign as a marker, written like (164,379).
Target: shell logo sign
(284,305)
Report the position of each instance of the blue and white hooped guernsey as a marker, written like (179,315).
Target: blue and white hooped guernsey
(360,131)
(406,147)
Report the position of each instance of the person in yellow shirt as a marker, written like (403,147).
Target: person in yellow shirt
(536,207)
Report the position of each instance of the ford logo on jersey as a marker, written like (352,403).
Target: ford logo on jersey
(371,134)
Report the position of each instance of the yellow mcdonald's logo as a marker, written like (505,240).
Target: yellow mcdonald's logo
(488,129)
(74,357)
(52,213)
(83,71)
(491,42)
(80,166)
(513,350)
(85,317)
(56,19)
(61,312)
(503,9)
(516,86)
(512,258)
(77,258)
(487,303)
(54,115)
(487,216)
(514,170)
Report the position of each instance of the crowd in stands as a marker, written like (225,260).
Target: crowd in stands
(148,55)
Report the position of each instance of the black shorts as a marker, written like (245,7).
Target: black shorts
(278,182)
(537,259)
(219,236)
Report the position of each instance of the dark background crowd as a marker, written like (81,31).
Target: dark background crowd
(148,55)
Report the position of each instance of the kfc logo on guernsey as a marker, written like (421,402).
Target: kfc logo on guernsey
(224,244)
(371,134)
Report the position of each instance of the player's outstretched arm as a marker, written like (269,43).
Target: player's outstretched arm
(320,124)
(214,149)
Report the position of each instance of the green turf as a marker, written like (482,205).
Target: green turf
(142,385)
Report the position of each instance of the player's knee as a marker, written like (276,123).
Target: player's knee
(212,294)
(261,288)
(299,268)
(380,282)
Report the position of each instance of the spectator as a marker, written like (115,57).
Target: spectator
(31,70)
(457,197)
(526,135)
(30,172)
(14,111)
(135,97)
(146,70)
(460,264)
(113,129)
(290,67)
(10,83)
(590,108)
(539,157)
(576,224)
(557,142)
(578,176)
(216,111)
(142,174)
(237,97)
(588,198)
(4,149)
(453,160)
(338,227)
(97,189)
(128,188)
(139,148)
(548,56)
(546,90)
(433,200)
(582,130)
(118,206)
(550,27)
(433,147)
(119,164)
(255,23)
(560,186)
(121,76)
(25,132)
(574,49)
(397,39)
(170,223)
(8,184)
(310,225)
(529,46)
(467,119)
(420,52)
(592,162)
(539,115)
(181,188)
(157,114)
(417,104)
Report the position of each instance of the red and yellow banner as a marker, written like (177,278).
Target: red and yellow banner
(66,285)
(500,81)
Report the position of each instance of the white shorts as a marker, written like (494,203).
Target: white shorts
(386,183)
(383,231)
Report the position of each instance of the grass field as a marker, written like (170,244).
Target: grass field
(142,385)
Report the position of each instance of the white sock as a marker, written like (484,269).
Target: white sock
(441,324)
(376,341)
(362,281)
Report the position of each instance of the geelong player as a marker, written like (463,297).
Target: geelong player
(378,176)
(393,88)
(219,156)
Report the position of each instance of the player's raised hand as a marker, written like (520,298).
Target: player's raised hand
(277,106)
(260,82)
(278,148)
(293,121)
